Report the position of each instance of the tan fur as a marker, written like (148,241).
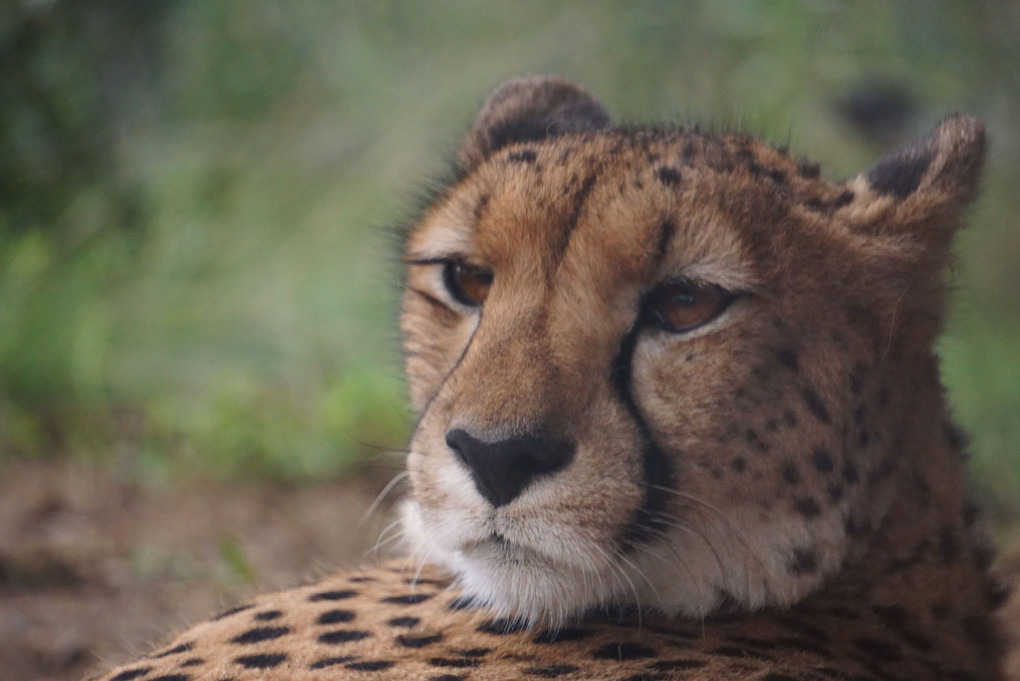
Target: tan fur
(777,494)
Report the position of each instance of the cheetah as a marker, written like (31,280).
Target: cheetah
(678,417)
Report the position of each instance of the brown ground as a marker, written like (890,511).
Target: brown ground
(95,571)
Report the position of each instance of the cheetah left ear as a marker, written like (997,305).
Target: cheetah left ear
(529,108)
(920,191)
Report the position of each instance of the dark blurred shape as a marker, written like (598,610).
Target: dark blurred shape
(62,70)
(881,111)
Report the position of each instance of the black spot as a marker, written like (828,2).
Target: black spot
(751,435)
(666,231)
(900,175)
(454,662)
(262,661)
(407,599)
(129,674)
(472,652)
(267,615)
(859,415)
(880,650)
(403,622)
(949,545)
(996,592)
(260,634)
(418,641)
(461,603)
(815,405)
(550,672)
(176,650)
(335,617)
(843,199)
(790,417)
(774,676)
(834,492)
(850,475)
(623,651)
(739,464)
(805,561)
(370,665)
(558,635)
(232,611)
(807,507)
(501,627)
(689,152)
(523,156)
(807,169)
(193,662)
(777,176)
(358,579)
(343,636)
(422,580)
(668,175)
(331,661)
(789,359)
(445,677)
(821,460)
(332,595)
(171,677)
(790,473)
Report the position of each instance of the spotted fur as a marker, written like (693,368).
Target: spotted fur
(775,492)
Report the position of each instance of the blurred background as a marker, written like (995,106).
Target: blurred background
(198,290)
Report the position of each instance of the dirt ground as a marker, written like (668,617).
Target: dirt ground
(94,571)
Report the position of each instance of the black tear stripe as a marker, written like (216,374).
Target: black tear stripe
(649,520)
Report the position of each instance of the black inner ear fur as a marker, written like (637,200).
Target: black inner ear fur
(900,174)
(950,157)
(528,109)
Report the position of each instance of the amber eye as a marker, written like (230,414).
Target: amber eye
(468,284)
(683,306)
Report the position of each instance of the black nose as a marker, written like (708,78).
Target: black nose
(501,470)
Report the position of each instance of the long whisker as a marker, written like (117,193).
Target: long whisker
(382,495)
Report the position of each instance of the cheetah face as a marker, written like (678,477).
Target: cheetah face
(644,363)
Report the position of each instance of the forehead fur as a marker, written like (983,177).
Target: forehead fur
(700,206)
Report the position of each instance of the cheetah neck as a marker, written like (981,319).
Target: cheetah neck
(917,553)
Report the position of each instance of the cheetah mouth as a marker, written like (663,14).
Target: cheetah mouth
(498,548)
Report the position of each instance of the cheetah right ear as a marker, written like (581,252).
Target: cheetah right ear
(919,192)
(526,109)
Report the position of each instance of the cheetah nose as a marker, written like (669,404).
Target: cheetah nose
(501,470)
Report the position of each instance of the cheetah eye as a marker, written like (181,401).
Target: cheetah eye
(468,284)
(682,306)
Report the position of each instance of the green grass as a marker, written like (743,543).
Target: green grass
(198,278)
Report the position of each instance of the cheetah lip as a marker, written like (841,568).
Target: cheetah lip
(498,547)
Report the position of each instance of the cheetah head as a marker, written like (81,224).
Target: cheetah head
(657,367)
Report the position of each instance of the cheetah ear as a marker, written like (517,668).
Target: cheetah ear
(529,108)
(920,191)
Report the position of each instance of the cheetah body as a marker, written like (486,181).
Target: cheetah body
(678,417)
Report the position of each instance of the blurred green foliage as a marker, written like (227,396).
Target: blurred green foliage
(196,262)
